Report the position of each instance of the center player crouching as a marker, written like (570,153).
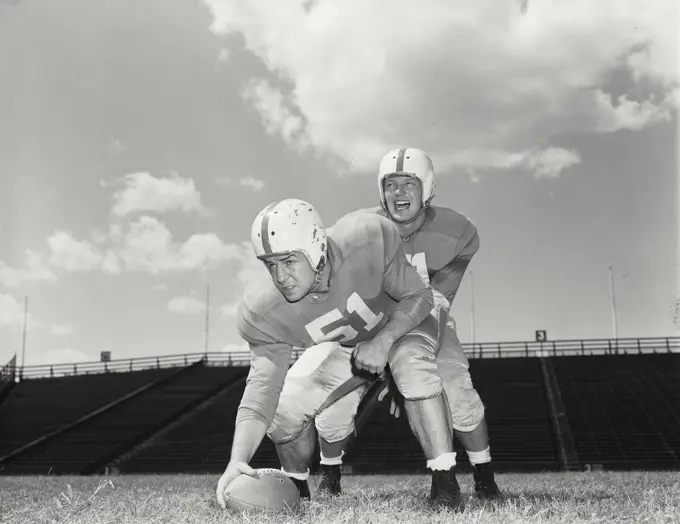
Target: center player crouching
(347,294)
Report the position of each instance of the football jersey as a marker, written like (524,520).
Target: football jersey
(441,249)
(369,276)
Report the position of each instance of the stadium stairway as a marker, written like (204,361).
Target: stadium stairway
(87,446)
(175,447)
(623,411)
(200,442)
(37,408)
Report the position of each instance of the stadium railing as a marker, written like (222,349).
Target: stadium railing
(556,348)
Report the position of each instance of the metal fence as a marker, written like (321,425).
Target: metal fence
(557,348)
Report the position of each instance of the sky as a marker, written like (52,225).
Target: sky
(138,141)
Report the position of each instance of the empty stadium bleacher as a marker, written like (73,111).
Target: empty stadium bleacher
(88,447)
(622,412)
(36,407)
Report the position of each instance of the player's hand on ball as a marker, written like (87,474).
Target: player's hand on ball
(234,469)
(395,410)
(371,356)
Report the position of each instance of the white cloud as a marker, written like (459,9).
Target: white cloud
(11,311)
(71,254)
(254,183)
(477,85)
(144,192)
(249,181)
(160,287)
(543,163)
(111,263)
(186,305)
(276,113)
(34,269)
(149,247)
(60,329)
(222,58)
(230,309)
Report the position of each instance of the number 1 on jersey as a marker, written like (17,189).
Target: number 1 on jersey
(358,306)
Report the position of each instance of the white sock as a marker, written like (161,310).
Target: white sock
(331,461)
(479,457)
(298,476)
(443,462)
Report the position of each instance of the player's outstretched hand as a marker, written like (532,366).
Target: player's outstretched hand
(371,356)
(234,469)
(395,410)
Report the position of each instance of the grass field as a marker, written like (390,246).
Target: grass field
(550,497)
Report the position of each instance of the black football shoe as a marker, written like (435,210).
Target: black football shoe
(485,485)
(330,480)
(303,488)
(445,490)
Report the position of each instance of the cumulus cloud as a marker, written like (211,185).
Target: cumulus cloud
(484,84)
(149,246)
(251,182)
(144,192)
(250,269)
(230,309)
(186,305)
(71,254)
(11,311)
(34,269)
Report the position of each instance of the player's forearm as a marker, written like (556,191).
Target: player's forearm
(248,435)
(408,314)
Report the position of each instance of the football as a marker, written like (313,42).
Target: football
(271,491)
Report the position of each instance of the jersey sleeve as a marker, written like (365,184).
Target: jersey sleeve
(401,280)
(270,358)
(447,280)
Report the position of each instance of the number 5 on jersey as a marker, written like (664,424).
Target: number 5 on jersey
(316,328)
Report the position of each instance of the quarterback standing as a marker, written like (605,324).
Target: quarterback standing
(347,295)
(439,243)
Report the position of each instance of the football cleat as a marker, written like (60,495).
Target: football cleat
(303,488)
(330,480)
(445,490)
(485,485)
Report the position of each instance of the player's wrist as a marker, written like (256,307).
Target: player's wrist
(385,339)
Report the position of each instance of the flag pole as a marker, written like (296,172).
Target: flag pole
(23,342)
(472,311)
(615,325)
(207,318)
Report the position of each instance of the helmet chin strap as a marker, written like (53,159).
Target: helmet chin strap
(318,274)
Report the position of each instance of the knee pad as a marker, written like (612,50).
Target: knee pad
(414,369)
(467,409)
(288,424)
(337,421)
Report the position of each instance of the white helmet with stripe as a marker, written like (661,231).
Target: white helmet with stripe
(288,226)
(408,161)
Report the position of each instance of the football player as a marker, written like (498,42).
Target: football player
(347,297)
(439,243)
